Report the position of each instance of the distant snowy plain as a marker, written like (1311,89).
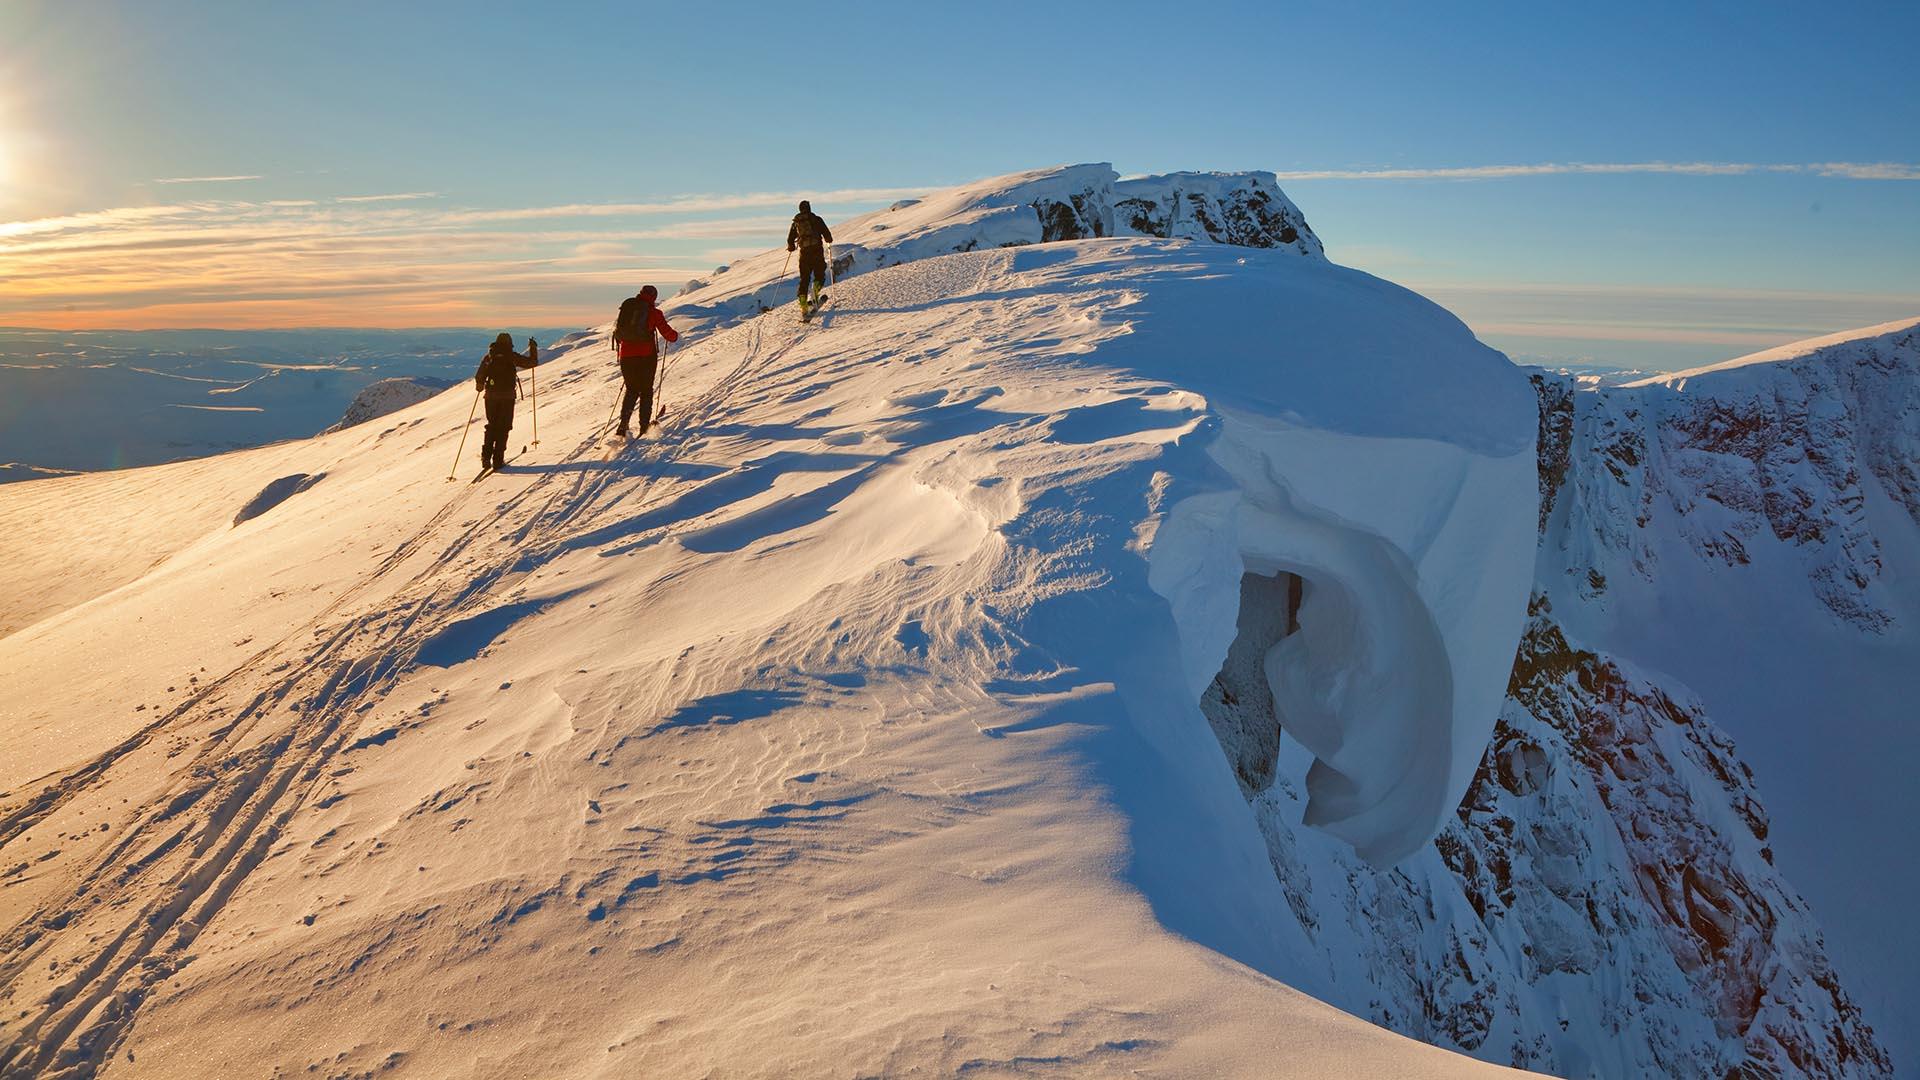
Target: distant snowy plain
(81,401)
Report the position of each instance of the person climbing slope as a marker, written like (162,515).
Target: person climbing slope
(633,336)
(809,235)
(498,378)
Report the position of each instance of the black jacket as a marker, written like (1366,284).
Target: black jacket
(497,376)
(815,243)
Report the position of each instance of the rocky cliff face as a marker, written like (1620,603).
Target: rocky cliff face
(1780,450)
(1244,209)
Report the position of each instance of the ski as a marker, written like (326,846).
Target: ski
(489,470)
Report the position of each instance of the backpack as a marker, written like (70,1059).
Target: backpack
(497,373)
(806,230)
(636,315)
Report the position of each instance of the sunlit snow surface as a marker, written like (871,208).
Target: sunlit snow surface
(848,726)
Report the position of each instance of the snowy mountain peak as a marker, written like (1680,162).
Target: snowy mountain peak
(1067,202)
(1795,453)
(1895,334)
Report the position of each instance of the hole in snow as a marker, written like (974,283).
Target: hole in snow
(1239,702)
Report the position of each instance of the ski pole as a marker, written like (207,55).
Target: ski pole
(621,395)
(534,380)
(463,435)
(660,387)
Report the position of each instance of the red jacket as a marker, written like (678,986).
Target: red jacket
(656,324)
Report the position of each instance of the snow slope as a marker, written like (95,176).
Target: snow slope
(843,729)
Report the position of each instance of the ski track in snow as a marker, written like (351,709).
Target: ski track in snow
(787,650)
(252,769)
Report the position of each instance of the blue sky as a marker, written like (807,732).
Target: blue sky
(554,153)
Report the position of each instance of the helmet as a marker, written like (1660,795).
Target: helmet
(649,293)
(503,343)
(806,207)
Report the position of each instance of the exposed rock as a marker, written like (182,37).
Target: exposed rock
(1243,209)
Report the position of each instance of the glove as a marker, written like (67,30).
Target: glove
(789,248)
(533,350)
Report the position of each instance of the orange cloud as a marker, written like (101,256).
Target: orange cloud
(380,260)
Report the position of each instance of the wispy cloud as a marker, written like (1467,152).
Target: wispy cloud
(387,259)
(404,196)
(1844,170)
(207,179)
(687,204)
(1664,314)
(1884,170)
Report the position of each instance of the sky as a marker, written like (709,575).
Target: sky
(1654,186)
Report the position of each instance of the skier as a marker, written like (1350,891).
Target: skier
(809,234)
(498,378)
(633,332)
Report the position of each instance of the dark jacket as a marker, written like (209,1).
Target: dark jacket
(810,232)
(497,375)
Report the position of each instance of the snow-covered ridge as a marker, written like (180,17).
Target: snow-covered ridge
(1036,654)
(387,396)
(1063,203)
(1790,448)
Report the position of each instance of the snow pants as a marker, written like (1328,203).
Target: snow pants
(639,372)
(493,446)
(813,264)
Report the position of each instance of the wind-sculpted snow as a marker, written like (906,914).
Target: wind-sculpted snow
(1415,562)
(844,706)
